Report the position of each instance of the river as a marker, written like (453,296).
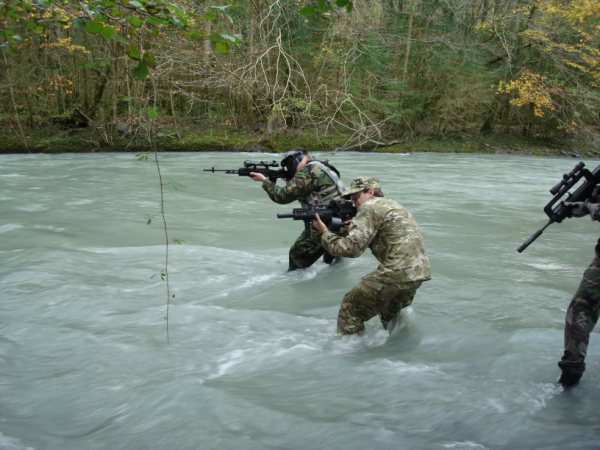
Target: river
(251,359)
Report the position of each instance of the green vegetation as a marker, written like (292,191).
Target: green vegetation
(375,75)
(183,139)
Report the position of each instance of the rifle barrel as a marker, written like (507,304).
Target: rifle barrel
(534,236)
(285,215)
(213,170)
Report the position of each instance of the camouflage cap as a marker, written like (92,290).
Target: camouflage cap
(360,184)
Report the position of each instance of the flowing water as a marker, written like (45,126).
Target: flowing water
(251,360)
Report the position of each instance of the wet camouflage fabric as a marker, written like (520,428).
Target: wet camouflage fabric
(302,187)
(306,250)
(373,295)
(580,320)
(391,233)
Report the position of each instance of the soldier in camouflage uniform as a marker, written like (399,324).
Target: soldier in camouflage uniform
(581,316)
(391,233)
(310,182)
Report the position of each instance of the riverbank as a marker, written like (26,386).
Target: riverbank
(56,139)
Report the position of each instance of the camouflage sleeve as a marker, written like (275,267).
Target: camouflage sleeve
(297,188)
(277,193)
(360,234)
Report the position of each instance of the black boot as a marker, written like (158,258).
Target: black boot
(569,379)
(571,373)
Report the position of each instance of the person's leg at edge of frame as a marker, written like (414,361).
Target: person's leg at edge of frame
(582,316)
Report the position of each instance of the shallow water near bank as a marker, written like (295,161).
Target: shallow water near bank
(252,360)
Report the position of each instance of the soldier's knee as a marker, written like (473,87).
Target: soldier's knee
(351,318)
(347,330)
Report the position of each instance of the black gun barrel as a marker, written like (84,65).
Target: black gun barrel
(246,171)
(533,237)
(213,170)
(285,215)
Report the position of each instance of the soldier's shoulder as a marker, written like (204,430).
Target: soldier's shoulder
(318,173)
(383,203)
(313,166)
(383,206)
(302,174)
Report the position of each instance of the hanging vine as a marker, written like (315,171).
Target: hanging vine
(164,274)
(150,115)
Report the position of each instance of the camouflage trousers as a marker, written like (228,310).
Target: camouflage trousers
(580,320)
(375,294)
(306,250)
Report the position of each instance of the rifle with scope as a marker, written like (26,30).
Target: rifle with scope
(263,167)
(333,215)
(576,203)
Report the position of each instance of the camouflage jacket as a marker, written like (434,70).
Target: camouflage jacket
(314,184)
(391,233)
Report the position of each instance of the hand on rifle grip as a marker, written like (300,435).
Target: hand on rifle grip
(318,224)
(577,209)
(580,209)
(594,210)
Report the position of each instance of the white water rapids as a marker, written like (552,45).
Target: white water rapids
(253,360)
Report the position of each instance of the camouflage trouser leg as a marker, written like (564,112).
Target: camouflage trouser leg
(305,251)
(580,320)
(374,294)
(404,298)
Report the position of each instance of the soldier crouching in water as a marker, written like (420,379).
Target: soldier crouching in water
(582,314)
(391,233)
(310,182)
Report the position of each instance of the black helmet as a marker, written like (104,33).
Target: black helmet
(291,160)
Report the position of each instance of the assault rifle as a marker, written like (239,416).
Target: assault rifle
(557,209)
(256,167)
(333,215)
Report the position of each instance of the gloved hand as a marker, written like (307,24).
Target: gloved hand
(578,209)
(594,210)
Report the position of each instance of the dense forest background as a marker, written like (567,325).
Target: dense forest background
(360,74)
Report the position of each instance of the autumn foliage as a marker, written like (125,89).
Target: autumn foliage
(374,71)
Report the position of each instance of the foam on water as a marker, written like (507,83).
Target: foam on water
(253,360)
(6,228)
(8,443)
